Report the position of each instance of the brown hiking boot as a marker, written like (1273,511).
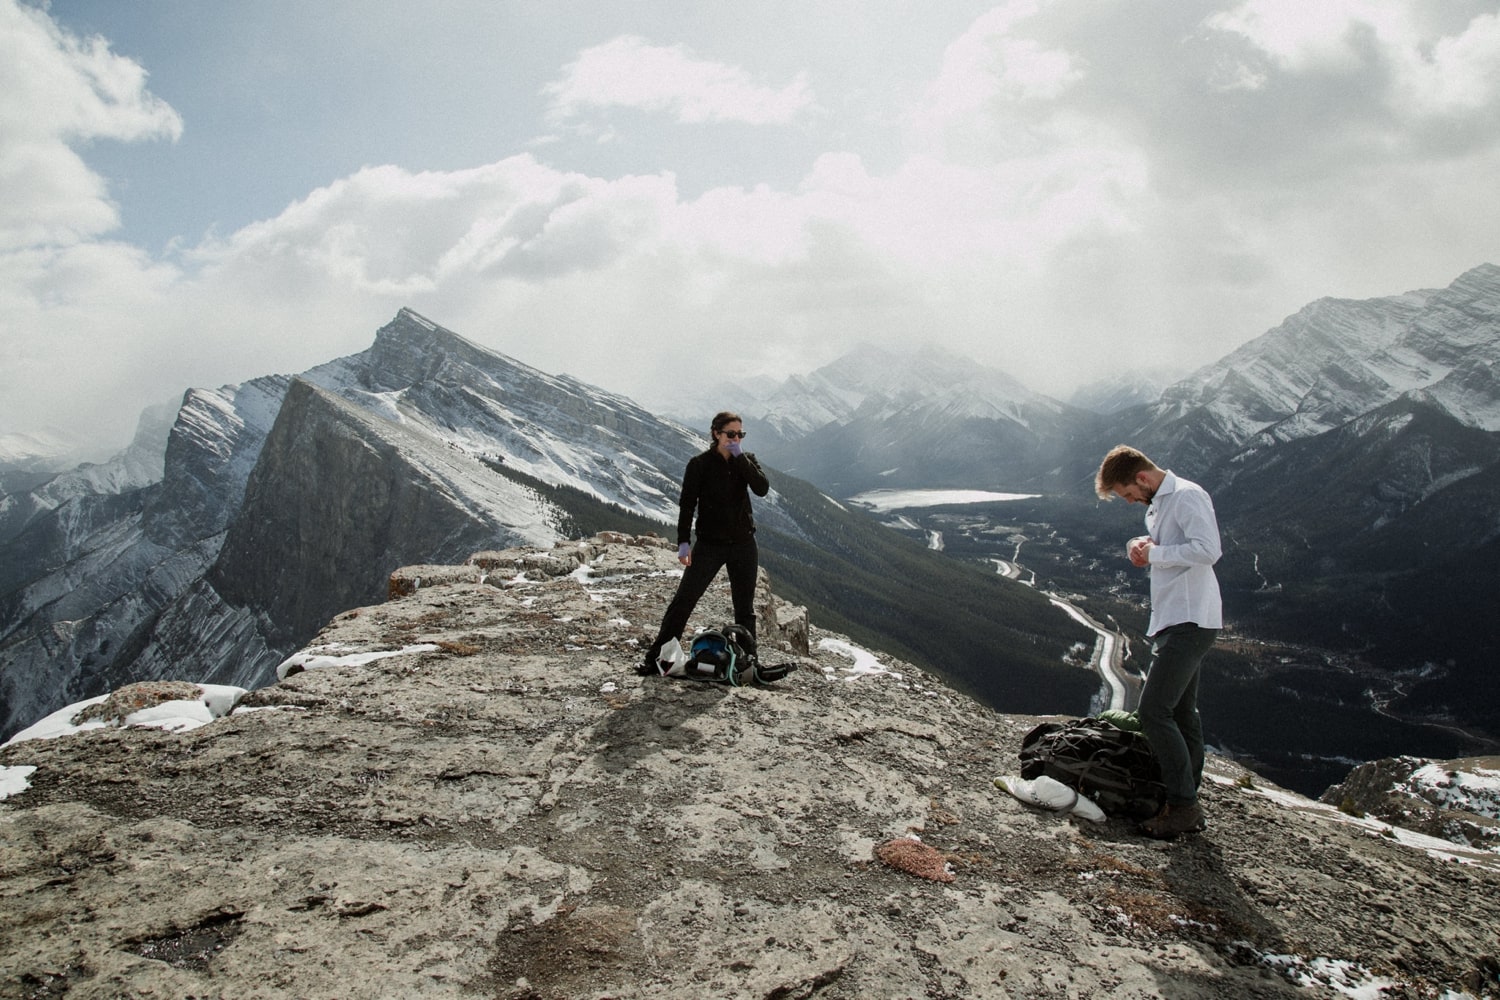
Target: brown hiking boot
(1174,820)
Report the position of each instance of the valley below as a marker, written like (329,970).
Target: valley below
(1300,714)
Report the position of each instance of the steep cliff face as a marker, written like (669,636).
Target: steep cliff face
(337,488)
(214,444)
(93,559)
(113,572)
(467,791)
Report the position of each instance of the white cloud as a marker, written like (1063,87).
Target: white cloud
(1050,202)
(629,72)
(1303,37)
(57,90)
(1462,74)
(990,63)
(1425,69)
(388,232)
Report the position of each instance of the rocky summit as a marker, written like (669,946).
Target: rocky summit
(467,791)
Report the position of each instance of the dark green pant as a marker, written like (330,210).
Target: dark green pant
(1169,707)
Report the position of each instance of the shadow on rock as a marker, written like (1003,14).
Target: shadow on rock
(656,721)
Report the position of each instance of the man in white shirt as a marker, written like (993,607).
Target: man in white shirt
(1180,546)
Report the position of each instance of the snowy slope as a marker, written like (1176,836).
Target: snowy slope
(1337,359)
(104,566)
(870,383)
(490,406)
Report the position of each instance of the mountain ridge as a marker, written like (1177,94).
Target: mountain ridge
(105,583)
(281,493)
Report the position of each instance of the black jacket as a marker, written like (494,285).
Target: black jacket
(719,491)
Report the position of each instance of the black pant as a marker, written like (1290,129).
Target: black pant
(743,560)
(1169,708)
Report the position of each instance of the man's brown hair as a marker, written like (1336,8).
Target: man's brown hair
(1120,468)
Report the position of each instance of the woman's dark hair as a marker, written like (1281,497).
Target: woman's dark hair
(724,418)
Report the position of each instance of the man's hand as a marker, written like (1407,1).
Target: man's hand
(1138,550)
(685,554)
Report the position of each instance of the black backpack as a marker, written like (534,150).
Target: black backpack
(727,655)
(1112,766)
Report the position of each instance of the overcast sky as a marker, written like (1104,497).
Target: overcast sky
(644,194)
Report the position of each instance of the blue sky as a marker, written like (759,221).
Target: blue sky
(649,194)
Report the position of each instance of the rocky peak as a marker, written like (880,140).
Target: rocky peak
(1336,359)
(336,487)
(214,442)
(411,349)
(466,790)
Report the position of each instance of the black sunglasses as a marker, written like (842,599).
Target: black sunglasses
(735,434)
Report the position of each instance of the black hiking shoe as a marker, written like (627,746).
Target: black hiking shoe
(1175,820)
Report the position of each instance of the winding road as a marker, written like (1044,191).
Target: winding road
(1120,689)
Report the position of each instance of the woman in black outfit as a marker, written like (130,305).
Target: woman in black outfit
(717,485)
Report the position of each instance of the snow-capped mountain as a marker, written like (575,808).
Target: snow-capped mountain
(41,451)
(866,383)
(286,499)
(121,571)
(871,383)
(877,419)
(33,483)
(1353,453)
(693,404)
(1122,391)
(1337,359)
(490,406)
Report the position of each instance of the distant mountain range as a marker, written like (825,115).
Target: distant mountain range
(1352,453)
(282,501)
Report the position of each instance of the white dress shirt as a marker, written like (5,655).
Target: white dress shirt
(1185,545)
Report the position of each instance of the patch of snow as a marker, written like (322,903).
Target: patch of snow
(59,723)
(173,716)
(865,662)
(1443,850)
(1476,791)
(316,657)
(1333,973)
(15,779)
(214,701)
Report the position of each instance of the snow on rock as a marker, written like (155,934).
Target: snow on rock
(175,706)
(1475,791)
(322,657)
(15,780)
